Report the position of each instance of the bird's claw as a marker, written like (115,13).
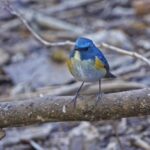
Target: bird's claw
(74,100)
(99,97)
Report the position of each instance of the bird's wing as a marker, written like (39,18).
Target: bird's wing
(101,60)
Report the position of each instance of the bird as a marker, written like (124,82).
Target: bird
(87,63)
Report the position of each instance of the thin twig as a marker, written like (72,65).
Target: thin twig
(68,42)
(125,52)
(39,38)
(68,90)
(138,142)
(35,145)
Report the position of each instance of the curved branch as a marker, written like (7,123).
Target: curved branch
(125,52)
(53,108)
(68,42)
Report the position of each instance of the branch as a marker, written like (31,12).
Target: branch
(47,43)
(138,142)
(53,108)
(39,38)
(125,52)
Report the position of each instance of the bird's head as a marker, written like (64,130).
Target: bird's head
(82,44)
(84,49)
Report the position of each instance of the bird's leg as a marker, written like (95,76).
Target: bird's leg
(99,97)
(76,96)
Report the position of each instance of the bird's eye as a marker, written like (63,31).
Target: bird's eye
(85,49)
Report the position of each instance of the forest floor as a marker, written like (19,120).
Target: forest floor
(27,66)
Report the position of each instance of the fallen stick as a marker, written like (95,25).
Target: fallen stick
(48,21)
(68,90)
(138,142)
(67,5)
(58,108)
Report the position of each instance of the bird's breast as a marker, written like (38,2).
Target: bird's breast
(85,70)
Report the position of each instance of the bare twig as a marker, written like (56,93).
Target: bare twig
(67,5)
(52,108)
(35,145)
(125,52)
(68,90)
(46,43)
(39,38)
(138,142)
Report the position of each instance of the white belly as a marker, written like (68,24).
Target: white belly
(85,71)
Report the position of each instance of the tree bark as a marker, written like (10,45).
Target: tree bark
(46,108)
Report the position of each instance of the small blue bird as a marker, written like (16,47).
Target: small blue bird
(88,64)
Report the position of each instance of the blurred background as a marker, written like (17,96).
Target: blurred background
(28,67)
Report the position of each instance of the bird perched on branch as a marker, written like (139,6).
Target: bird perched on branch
(88,64)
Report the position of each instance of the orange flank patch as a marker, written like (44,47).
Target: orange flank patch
(98,64)
(70,65)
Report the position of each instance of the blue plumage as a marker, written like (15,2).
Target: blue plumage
(88,64)
(82,43)
(88,50)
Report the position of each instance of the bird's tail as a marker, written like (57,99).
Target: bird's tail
(110,75)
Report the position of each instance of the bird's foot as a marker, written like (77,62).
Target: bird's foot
(74,101)
(99,98)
